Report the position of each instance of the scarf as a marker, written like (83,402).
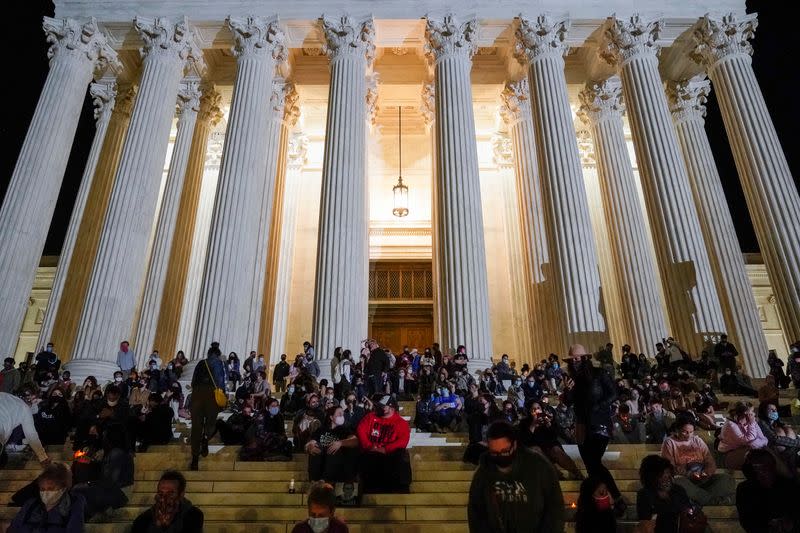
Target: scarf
(165,510)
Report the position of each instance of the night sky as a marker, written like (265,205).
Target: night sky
(774,61)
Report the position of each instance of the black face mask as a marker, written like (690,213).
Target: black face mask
(380,410)
(501,461)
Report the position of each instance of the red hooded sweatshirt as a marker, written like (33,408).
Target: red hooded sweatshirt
(391,433)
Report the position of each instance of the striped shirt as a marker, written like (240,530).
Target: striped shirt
(15,412)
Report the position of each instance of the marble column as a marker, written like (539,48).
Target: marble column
(104,95)
(73,295)
(723,47)
(109,312)
(515,253)
(609,283)
(179,278)
(190,301)
(272,186)
(296,159)
(428,110)
(687,103)
(188,106)
(516,112)
(693,306)
(461,251)
(77,49)
(225,300)
(633,261)
(282,222)
(340,293)
(573,256)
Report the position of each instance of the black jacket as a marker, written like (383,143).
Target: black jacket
(378,363)
(592,398)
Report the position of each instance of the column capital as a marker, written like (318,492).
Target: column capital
(345,36)
(297,150)
(126,96)
(104,95)
(718,38)
(257,38)
(372,98)
(448,37)
(515,99)
(210,110)
(601,101)
(291,109)
(80,39)
(625,39)
(542,37)
(687,98)
(428,105)
(170,40)
(188,97)
(502,150)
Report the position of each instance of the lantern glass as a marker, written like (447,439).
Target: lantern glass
(400,199)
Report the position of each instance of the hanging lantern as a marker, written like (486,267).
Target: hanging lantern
(400,191)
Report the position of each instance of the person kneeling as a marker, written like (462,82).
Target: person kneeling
(332,450)
(321,507)
(383,436)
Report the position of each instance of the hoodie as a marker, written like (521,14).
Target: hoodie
(526,500)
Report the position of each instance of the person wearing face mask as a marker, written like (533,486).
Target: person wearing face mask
(120,382)
(154,424)
(781,437)
(513,489)
(595,508)
(172,512)
(661,504)
(55,509)
(54,419)
(353,412)
(766,500)
(321,509)
(383,435)
(260,389)
(307,422)
(265,440)
(503,370)
(126,359)
(402,386)
(280,373)
(333,450)
(10,377)
(740,433)
(292,400)
(46,361)
(447,410)
(657,421)
(591,392)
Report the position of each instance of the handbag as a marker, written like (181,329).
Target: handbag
(692,520)
(219,395)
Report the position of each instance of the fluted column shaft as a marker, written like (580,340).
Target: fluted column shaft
(515,254)
(228,282)
(188,105)
(769,188)
(517,113)
(340,294)
(110,308)
(87,239)
(428,110)
(103,95)
(695,313)
(632,257)
(461,249)
(77,48)
(190,300)
(687,100)
(270,206)
(178,276)
(297,146)
(573,256)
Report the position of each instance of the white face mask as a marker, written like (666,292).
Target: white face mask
(50,497)
(318,525)
(118,379)
(339,420)
(112,404)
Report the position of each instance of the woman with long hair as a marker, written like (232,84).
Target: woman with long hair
(591,393)
(595,508)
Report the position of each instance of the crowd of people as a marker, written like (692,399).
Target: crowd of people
(518,421)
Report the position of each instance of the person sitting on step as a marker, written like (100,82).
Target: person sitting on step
(321,509)
(333,449)
(537,432)
(172,511)
(54,508)
(383,435)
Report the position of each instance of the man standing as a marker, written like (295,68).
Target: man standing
(514,489)
(377,364)
(279,374)
(10,377)
(46,361)
(208,376)
(15,412)
(126,360)
(726,353)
